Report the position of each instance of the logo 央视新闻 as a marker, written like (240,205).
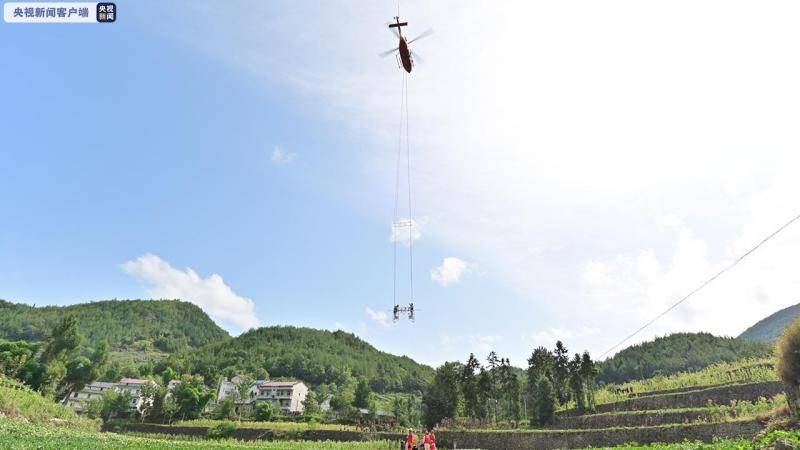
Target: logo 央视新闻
(106,12)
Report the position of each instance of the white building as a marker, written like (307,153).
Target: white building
(94,391)
(134,387)
(288,396)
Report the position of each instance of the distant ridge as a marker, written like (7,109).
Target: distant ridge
(678,352)
(770,328)
(314,356)
(169,325)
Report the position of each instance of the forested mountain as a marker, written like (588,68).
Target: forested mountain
(314,356)
(771,327)
(676,353)
(168,325)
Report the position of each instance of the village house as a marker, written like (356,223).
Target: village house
(287,396)
(94,391)
(78,400)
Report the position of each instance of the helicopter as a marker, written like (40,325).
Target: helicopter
(404,54)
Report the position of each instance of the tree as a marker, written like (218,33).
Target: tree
(469,386)
(82,370)
(149,395)
(510,390)
(243,386)
(560,372)
(545,401)
(14,355)
(191,396)
(486,393)
(224,410)
(63,342)
(576,383)
(311,406)
(788,350)
(588,372)
(115,404)
(264,411)
(362,396)
(94,408)
(443,394)
(540,365)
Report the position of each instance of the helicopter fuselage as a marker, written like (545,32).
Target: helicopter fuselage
(405,55)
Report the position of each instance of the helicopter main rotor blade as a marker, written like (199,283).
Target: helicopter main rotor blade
(388,52)
(424,34)
(393,30)
(417,58)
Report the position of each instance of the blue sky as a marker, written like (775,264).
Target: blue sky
(581,170)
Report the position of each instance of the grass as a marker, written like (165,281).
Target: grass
(21,435)
(746,371)
(277,426)
(21,403)
(768,441)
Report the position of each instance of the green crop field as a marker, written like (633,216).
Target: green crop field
(20,435)
(276,426)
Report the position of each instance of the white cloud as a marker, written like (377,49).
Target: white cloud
(485,344)
(379,317)
(631,289)
(280,157)
(549,336)
(481,345)
(450,271)
(211,294)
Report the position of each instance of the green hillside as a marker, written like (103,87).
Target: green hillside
(314,356)
(167,325)
(679,352)
(770,328)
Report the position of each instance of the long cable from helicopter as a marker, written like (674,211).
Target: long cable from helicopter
(409,222)
(705,283)
(410,215)
(397,194)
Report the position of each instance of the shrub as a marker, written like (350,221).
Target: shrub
(788,350)
(224,410)
(221,431)
(264,412)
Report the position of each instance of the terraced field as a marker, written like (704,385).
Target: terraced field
(724,405)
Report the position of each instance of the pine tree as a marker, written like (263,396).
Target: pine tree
(576,382)
(540,365)
(561,372)
(588,372)
(545,402)
(469,386)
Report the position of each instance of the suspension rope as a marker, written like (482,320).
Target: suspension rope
(397,193)
(409,221)
(705,283)
(410,215)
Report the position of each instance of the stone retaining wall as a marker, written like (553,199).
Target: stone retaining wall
(546,440)
(629,420)
(694,399)
(256,434)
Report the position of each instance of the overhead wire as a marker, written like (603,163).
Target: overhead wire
(704,284)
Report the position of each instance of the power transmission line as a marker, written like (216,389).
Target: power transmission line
(707,282)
